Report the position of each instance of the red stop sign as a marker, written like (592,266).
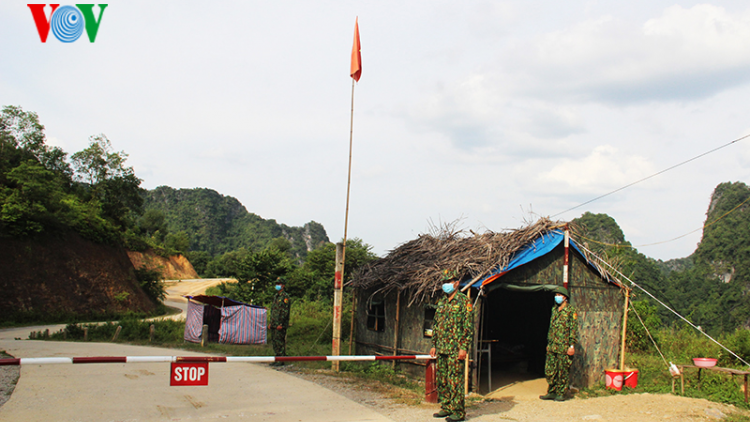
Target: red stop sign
(189,373)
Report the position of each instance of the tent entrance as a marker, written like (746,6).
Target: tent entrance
(212,318)
(513,337)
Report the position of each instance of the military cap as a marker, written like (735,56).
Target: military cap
(449,275)
(562,290)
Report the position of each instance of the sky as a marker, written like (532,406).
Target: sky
(487,114)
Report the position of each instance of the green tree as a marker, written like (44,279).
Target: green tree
(152,221)
(107,181)
(199,260)
(22,138)
(317,273)
(179,241)
(31,200)
(256,273)
(150,282)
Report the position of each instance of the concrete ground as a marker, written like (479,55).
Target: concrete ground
(141,392)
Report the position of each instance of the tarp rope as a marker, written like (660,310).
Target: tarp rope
(649,335)
(664,305)
(319,336)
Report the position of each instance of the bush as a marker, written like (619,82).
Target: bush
(739,343)
(150,282)
(133,330)
(680,346)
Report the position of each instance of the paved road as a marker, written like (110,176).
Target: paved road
(141,392)
(177,289)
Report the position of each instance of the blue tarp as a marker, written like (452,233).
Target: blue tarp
(538,248)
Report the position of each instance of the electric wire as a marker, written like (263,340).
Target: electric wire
(666,241)
(664,305)
(653,175)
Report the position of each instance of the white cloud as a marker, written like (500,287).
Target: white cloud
(683,54)
(603,170)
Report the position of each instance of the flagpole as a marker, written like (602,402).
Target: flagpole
(338,283)
(349,175)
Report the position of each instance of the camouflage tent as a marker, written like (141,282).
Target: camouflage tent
(396,299)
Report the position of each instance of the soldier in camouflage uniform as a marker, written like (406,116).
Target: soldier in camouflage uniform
(561,340)
(279,320)
(451,336)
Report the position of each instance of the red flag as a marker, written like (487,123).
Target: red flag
(356,69)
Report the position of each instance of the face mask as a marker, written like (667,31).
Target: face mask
(448,288)
(278,287)
(559,299)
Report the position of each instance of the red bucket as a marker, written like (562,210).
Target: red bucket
(613,378)
(630,378)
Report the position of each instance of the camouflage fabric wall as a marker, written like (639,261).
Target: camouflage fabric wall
(600,306)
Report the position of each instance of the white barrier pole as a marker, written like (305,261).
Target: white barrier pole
(150,359)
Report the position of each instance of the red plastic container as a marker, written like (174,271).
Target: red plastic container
(613,379)
(630,378)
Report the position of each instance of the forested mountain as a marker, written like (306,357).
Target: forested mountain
(709,287)
(714,292)
(601,234)
(216,224)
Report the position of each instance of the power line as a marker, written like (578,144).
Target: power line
(670,240)
(653,175)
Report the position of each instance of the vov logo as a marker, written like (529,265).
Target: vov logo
(67,22)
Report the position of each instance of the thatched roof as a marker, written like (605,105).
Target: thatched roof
(416,266)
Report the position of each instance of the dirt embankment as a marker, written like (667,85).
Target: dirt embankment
(67,275)
(176,267)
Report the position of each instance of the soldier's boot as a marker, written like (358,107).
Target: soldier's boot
(454,418)
(560,397)
(441,414)
(548,396)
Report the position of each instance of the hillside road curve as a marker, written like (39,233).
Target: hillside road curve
(140,391)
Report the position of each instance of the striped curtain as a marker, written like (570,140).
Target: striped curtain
(194,322)
(243,325)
